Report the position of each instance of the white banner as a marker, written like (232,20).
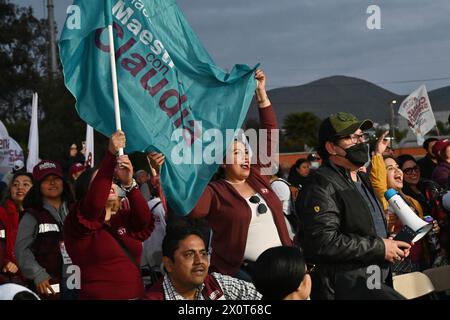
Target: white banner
(89,146)
(33,138)
(10,152)
(416,108)
(4,143)
(3,131)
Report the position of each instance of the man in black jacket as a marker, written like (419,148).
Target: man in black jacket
(343,225)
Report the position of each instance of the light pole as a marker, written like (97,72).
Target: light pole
(51,26)
(391,125)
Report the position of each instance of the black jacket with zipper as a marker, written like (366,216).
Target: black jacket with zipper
(338,232)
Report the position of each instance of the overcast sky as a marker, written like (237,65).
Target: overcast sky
(299,41)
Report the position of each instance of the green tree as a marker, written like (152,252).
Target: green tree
(24,69)
(23,59)
(444,129)
(299,129)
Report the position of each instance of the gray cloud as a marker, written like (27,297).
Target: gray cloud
(301,41)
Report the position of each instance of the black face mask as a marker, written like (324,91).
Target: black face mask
(358,154)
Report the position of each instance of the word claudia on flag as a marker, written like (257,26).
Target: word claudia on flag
(141,60)
(153,78)
(416,108)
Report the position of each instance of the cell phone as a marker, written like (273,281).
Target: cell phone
(55,288)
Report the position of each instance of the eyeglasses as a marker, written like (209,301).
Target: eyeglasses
(262,208)
(411,170)
(310,268)
(363,137)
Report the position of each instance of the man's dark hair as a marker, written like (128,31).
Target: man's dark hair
(279,272)
(323,153)
(427,142)
(179,229)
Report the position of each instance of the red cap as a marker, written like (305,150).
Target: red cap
(440,146)
(76,167)
(45,168)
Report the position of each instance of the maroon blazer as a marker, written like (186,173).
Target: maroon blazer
(229,215)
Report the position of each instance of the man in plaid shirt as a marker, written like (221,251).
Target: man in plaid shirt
(186,262)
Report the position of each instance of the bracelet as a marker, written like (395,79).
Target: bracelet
(131,187)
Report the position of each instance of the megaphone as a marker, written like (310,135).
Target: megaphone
(416,227)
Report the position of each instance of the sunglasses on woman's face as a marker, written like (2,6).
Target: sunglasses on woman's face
(411,170)
(262,208)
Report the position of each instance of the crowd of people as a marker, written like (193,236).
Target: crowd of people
(69,231)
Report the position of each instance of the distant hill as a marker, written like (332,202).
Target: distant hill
(340,93)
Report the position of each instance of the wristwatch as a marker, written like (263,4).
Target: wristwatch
(133,185)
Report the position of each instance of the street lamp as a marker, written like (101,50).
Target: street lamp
(391,125)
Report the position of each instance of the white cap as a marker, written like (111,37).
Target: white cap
(9,290)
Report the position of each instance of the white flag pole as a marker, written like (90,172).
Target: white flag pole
(113,70)
(33,137)
(89,155)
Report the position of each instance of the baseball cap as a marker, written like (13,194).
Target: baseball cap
(341,124)
(45,168)
(440,146)
(76,167)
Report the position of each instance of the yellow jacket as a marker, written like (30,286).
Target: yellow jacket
(378,178)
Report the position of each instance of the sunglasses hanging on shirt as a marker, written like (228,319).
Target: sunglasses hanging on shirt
(262,208)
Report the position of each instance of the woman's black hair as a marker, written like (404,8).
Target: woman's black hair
(403,158)
(34,198)
(278,272)
(296,165)
(8,191)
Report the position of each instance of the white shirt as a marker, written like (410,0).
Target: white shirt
(262,232)
(283,192)
(152,250)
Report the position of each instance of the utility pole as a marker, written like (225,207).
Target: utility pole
(51,25)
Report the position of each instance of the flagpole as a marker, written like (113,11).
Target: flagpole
(113,69)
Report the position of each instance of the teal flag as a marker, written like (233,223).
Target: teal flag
(173,98)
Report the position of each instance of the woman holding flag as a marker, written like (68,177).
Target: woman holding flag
(245,215)
(102,238)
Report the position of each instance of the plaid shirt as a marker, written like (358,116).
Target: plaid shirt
(233,289)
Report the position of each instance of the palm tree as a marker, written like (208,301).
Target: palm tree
(301,129)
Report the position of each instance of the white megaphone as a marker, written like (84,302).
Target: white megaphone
(413,225)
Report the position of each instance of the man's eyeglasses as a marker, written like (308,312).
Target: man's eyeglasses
(262,208)
(411,170)
(310,268)
(363,137)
